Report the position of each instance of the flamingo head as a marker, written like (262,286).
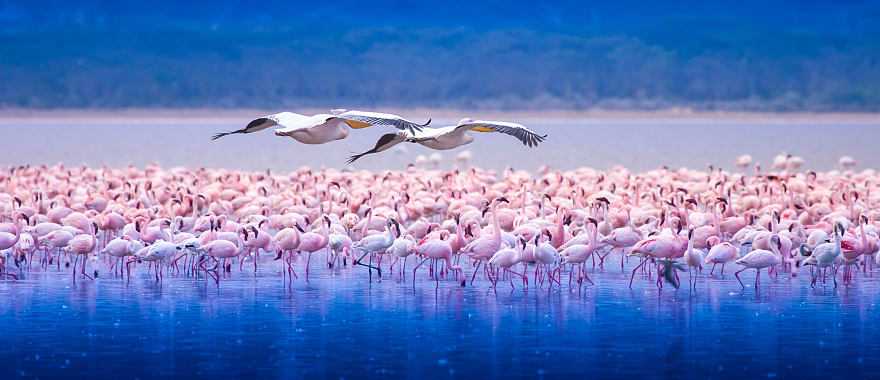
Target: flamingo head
(839,229)
(777,241)
(593,221)
(393,223)
(713,240)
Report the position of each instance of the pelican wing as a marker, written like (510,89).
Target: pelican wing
(527,136)
(284,119)
(428,133)
(364,119)
(385,142)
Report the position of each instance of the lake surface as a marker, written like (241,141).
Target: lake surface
(340,326)
(639,144)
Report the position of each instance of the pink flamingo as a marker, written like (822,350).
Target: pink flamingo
(119,249)
(658,247)
(287,241)
(83,245)
(482,248)
(720,253)
(547,260)
(437,249)
(507,258)
(261,240)
(8,238)
(217,250)
(311,242)
(759,259)
(578,254)
(621,239)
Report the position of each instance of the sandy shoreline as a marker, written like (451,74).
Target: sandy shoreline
(199,115)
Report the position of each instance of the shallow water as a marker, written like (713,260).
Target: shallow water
(340,326)
(638,144)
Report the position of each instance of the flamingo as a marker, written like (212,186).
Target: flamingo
(402,248)
(83,245)
(826,255)
(437,249)
(547,256)
(287,241)
(484,247)
(261,240)
(160,253)
(311,242)
(694,260)
(376,243)
(216,250)
(505,259)
(8,239)
(759,259)
(664,247)
(720,253)
(578,254)
(120,248)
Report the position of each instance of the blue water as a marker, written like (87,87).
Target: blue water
(340,326)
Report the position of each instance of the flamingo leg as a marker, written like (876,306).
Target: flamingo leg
(476,269)
(308,264)
(738,279)
(633,275)
(403,270)
(417,268)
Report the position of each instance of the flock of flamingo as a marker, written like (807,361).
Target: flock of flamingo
(457,226)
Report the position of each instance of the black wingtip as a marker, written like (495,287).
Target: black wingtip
(414,127)
(352,159)
(219,135)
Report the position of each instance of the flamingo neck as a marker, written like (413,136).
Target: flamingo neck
(495,226)
(862,232)
(389,236)
(594,235)
(369,220)
(560,226)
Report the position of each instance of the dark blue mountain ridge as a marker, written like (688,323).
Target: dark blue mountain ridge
(508,54)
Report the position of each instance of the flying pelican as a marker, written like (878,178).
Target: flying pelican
(324,128)
(453,136)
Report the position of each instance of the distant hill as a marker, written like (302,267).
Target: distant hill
(497,54)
